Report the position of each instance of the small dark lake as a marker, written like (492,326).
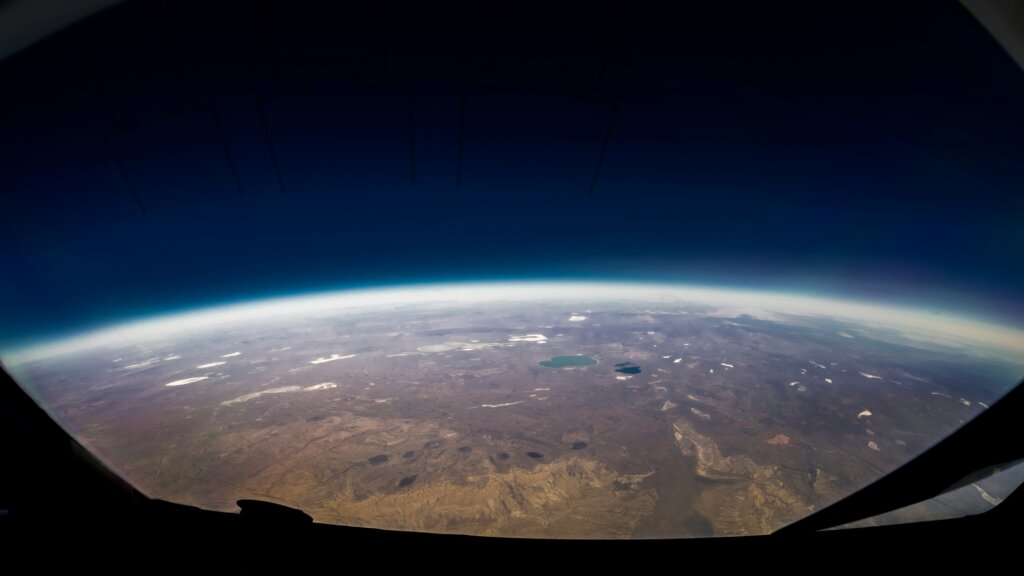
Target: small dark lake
(627,368)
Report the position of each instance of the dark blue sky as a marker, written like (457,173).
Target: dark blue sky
(166,155)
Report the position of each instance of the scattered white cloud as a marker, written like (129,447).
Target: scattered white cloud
(477,345)
(528,338)
(502,405)
(184,381)
(252,395)
(324,386)
(445,347)
(231,355)
(143,364)
(211,365)
(331,358)
(577,318)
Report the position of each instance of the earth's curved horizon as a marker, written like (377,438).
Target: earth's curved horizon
(524,409)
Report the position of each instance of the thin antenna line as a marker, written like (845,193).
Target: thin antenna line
(462,137)
(227,151)
(604,147)
(270,146)
(412,136)
(123,173)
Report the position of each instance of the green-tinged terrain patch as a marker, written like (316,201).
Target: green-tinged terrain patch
(567,362)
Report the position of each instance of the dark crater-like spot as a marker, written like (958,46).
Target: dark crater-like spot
(535,455)
(378,459)
(465,449)
(578,445)
(432,444)
(503,456)
(409,454)
(627,368)
(315,418)
(407,481)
